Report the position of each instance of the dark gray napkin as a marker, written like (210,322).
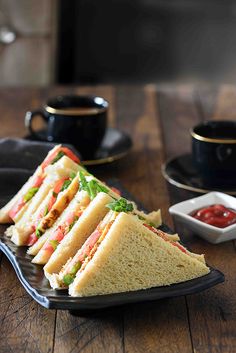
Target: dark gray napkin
(18,160)
(23,154)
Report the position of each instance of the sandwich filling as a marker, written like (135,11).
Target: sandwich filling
(85,254)
(61,231)
(23,200)
(75,266)
(165,237)
(86,183)
(87,251)
(57,154)
(38,180)
(60,186)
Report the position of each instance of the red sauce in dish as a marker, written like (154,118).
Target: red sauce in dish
(215,215)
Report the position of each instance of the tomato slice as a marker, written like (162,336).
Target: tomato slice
(21,202)
(85,250)
(57,236)
(164,237)
(17,207)
(70,219)
(117,191)
(32,239)
(70,154)
(38,181)
(61,231)
(49,159)
(57,188)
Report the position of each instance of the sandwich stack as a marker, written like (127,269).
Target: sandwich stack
(90,239)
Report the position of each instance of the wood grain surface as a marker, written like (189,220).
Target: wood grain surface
(158,118)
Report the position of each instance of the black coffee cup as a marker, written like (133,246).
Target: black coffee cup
(77,120)
(214,152)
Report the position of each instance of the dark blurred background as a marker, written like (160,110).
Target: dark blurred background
(146,40)
(89,42)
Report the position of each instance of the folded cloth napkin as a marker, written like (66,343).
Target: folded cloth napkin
(23,154)
(18,160)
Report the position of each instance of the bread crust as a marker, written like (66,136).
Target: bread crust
(132,257)
(79,233)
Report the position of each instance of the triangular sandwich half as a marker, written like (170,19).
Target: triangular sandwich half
(24,217)
(129,256)
(53,203)
(86,224)
(9,212)
(54,235)
(57,280)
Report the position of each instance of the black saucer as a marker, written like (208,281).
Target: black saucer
(115,145)
(181,172)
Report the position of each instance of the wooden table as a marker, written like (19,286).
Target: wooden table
(158,119)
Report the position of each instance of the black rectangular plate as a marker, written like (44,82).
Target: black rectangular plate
(32,278)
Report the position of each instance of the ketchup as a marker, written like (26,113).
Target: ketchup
(215,215)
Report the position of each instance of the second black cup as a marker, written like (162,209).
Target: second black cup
(214,153)
(77,120)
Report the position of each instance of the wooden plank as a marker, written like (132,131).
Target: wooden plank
(92,334)
(206,96)
(77,334)
(215,309)
(25,325)
(216,102)
(141,171)
(178,115)
(224,103)
(147,326)
(14,103)
(157,327)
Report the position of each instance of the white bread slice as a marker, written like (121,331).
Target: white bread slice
(61,203)
(131,257)
(81,199)
(21,233)
(22,229)
(173,237)
(60,169)
(37,200)
(153,217)
(4,217)
(9,231)
(26,218)
(110,217)
(73,241)
(62,166)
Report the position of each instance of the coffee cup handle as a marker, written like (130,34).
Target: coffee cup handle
(29,117)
